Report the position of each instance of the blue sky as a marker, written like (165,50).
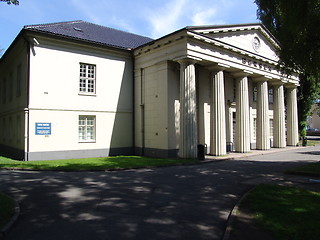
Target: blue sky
(152,18)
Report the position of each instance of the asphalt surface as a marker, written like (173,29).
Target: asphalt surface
(182,202)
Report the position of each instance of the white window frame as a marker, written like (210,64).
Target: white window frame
(87,128)
(87,79)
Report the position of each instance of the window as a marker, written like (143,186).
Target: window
(255,94)
(87,128)
(87,83)
(270,95)
(255,128)
(234,90)
(271,127)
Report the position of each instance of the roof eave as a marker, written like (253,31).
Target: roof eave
(65,37)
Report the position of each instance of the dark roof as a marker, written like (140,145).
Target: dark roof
(86,31)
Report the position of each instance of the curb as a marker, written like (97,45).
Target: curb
(4,230)
(233,214)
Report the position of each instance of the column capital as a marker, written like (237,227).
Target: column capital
(290,85)
(187,59)
(277,83)
(241,74)
(217,67)
(261,79)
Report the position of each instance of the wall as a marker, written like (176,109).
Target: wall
(244,40)
(13,100)
(152,116)
(55,99)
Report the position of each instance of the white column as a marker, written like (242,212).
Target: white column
(279,128)
(263,136)
(217,118)
(242,115)
(188,111)
(292,117)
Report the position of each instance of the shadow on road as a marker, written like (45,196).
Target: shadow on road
(185,202)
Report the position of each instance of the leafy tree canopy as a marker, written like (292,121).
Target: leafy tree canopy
(15,2)
(295,23)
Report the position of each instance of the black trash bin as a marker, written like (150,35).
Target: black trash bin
(201,152)
(304,141)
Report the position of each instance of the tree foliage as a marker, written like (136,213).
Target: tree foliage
(307,94)
(15,2)
(295,24)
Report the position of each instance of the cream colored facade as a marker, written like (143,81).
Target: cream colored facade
(214,85)
(50,94)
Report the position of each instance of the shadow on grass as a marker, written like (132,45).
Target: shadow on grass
(311,153)
(288,212)
(93,164)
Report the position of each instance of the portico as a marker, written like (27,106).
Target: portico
(215,85)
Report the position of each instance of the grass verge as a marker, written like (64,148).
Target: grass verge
(310,142)
(104,163)
(310,169)
(287,212)
(6,209)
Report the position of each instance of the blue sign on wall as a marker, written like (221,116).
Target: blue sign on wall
(43,128)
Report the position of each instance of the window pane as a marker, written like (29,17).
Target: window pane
(82,133)
(90,122)
(82,70)
(82,85)
(90,132)
(90,85)
(82,122)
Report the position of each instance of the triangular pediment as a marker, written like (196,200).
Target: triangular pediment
(253,38)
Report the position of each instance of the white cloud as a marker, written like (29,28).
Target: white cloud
(89,12)
(108,14)
(167,19)
(204,17)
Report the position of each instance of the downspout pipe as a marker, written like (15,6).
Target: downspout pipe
(26,109)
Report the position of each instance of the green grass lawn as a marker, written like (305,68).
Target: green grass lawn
(288,212)
(104,163)
(310,142)
(6,209)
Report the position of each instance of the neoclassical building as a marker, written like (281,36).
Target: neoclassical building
(76,89)
(213,85)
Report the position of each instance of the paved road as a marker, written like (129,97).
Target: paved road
(185,202)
